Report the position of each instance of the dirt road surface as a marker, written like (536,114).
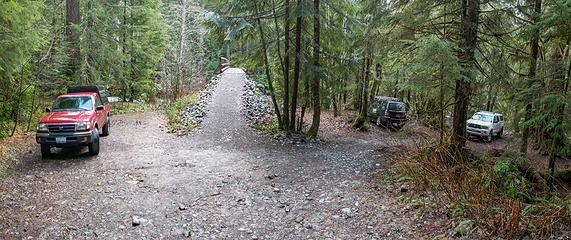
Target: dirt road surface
(223,181)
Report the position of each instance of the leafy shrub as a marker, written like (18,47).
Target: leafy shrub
(271,128)
(512,180)
(175,109)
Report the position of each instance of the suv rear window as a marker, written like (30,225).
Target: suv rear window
(79,103)
(397,107)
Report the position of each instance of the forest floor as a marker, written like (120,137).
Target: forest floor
(223,181)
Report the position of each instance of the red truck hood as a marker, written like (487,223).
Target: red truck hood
(68,117)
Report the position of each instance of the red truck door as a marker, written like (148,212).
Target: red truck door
(101,116)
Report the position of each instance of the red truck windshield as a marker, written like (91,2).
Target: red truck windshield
(79,103)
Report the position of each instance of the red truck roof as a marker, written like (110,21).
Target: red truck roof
(78,94)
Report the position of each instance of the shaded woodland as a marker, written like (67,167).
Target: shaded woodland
(445,59)
(140,50)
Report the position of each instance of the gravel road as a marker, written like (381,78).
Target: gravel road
(223,181)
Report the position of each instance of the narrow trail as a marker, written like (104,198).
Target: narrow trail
(224,181)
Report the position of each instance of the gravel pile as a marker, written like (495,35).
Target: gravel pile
(195,112)
(258,109)
(257,105)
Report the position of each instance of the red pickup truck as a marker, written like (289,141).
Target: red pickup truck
(75,119)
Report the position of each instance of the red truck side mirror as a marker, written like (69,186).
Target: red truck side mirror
(100,108)
(48,110)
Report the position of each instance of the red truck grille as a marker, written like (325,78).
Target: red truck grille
(61,128)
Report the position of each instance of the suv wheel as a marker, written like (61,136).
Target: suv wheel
(500,133)
(106,128)
(94,146)
(490,137)
(46,150)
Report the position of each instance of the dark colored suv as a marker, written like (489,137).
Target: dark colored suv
(388,111)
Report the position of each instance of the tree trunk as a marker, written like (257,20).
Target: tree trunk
(179,76)
(489,98)
(376,82)
(301,116)
(306,101)
(364,99)
(247,47)
(396,83)
(441,103)
(228,50)
(72,35)
(90,23)
(360,87)
(268,74)
(32,108)
(16,109)
(558,87)
(334,103)
(63,25)
(315,83)
(123,82)
(286,69)
(531,77)
(278,36)
(408,96)
(296,69)
(469,26)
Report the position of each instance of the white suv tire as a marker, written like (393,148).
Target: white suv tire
(500,133)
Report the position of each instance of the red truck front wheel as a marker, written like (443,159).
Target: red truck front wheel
(94,146)
(46,150)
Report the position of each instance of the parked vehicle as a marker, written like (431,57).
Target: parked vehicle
(388,111)
(75,119)
(485,124)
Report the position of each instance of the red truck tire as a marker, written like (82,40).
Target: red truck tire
(106,128)
(94,146)
(46,151)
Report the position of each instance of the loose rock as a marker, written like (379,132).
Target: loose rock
(196,111)
(136,221)
(257,106)
(404,188)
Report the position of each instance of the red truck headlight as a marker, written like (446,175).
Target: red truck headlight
(82,126)
(42,127)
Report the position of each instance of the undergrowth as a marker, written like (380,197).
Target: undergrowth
(175,110)
(270,128)
(361,123)
(129,107)
(503,194)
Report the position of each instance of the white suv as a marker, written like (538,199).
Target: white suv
(485,124)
